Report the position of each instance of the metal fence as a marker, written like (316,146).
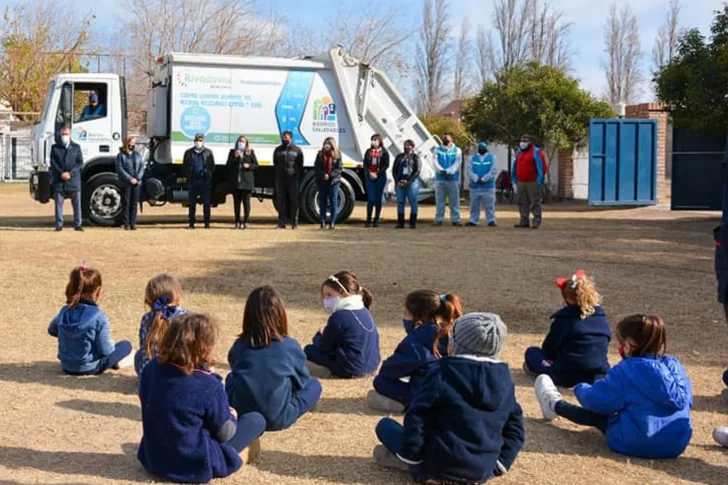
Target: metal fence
(15,155)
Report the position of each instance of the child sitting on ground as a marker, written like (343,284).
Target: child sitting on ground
(464,424)
(268,372)
(428,319)
(163,297)
(349,344)
(191,435)
(642,405)
(84,337)
(575,349)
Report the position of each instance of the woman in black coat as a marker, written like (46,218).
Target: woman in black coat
(241,165)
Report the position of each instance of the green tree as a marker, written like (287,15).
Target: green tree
(538,100)
(694,84)
(438,125)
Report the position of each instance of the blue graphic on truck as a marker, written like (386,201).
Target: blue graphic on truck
(292,104)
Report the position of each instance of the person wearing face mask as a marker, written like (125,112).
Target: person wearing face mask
(448,160)
(66,167)
(94,109)
(406,171)
(288,163)
(483,171)
(130,170)
(241,165)
(528,173)
(376,164)
(199,165)
(327,168)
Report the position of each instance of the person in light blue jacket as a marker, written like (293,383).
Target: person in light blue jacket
(448,162)
(482,171)
(642,405)
(130,170)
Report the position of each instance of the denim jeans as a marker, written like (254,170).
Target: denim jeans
(75,201)
(393,389)
(196,189)
(478,199)
(328,199)
(447,190)
(250,427)
(409,193)
(579,415)
(375,192)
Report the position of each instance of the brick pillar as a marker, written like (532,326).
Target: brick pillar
(657,112)
(566,174)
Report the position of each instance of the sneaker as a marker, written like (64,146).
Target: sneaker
(720,435)
(492,224)
(437,224)
(376,224)
(78,229)
(191,227)
(251,453)
(386,459)
(207,226)
(318,370)
(383,403)
(237,226)
(127,228)
(471,224)
(294,227)
(322,226)
(281,226)
(457,224)
(332,227)
(59,229)
(528,371)
(548,396)
(367,224)
(246,225)
(133,228)
(126,362)
(535,226)
(521,226)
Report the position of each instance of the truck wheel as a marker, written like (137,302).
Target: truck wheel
(310,207)
(102,200)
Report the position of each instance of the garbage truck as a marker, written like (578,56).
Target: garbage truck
(224,97)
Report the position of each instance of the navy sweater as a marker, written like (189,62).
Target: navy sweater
(187,422)
(413,357)
(578,347)
(352,340)
(266,380)
(465,423)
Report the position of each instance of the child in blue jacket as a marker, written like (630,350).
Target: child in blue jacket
(268,372)
(163,297)
(428,319)
(575,349)
(642,405)
(464,424)
(349,344)
(84,337)
(191,435)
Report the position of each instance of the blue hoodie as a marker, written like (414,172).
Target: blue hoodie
(648,401)
(465,423)
(84,337)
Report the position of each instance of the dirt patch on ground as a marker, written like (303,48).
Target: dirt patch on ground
(58,429)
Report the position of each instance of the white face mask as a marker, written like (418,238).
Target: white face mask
(524,145)
(65,139)
(327,148)
(198,145)
(241,146)
(375,143)
(330,304)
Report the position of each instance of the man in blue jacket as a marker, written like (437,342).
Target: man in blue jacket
(66,167)
(482,171)
(448,161)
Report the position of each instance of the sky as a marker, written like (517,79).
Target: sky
(587,18)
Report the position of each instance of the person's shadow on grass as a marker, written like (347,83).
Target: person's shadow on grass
(111,409)
(49,373)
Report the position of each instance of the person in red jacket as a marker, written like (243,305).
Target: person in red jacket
(528,173)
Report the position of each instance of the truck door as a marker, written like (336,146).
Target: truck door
(85,108)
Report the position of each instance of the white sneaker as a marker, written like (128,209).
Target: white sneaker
(385,459)
(126,362)
(383,403)
(547,396)
(720,435)
(318,371)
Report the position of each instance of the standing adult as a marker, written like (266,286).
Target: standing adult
(406,171)
(527,173)
(199,164)
(242,164)
(448,160)
(376,164)
(327,168)
(66,167)
(130,170)
(288,163)
(483,171)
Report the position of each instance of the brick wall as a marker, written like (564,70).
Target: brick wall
(566,174)
(657,112)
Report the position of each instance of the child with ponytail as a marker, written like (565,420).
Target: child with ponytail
(428,320)
(85,346)
(642,405)
(163,296)
(575,349)
(349,344)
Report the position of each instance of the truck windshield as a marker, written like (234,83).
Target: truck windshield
(49,96)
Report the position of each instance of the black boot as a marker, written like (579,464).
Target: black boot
(400,221)
(413,220)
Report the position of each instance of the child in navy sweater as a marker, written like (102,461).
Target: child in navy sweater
(191,435)
(464,424)
(268,372)
(428,319)
(575,349)
(84,338)
(642,405)
(349,344)
(163,297)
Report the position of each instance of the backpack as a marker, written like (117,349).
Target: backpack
(503,181)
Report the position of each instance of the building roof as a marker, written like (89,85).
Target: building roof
(453,108)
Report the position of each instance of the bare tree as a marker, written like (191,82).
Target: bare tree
(548,36)
(484,50)
(463,62)
(667,37)
(432,59)
(622,46)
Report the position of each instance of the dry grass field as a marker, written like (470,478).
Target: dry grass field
(56,429)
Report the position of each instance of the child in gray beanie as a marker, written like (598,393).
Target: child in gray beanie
(464,424)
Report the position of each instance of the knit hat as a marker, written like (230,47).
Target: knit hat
(483,144)
(479,334)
